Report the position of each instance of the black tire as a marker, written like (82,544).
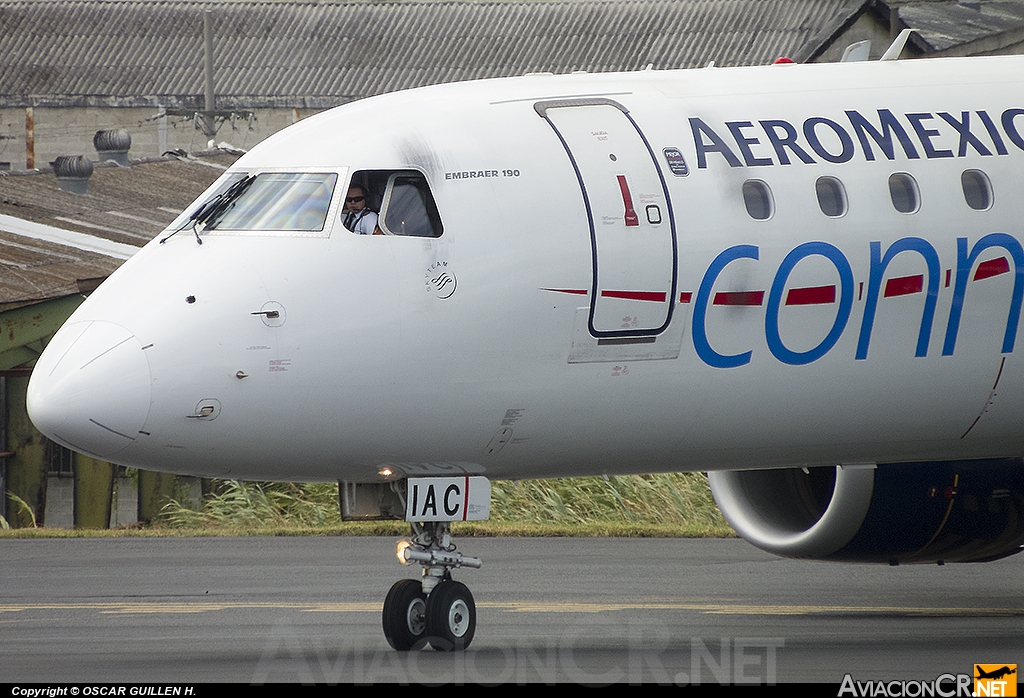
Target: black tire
(404,615)
(451,617)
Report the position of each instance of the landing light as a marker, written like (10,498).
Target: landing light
(385,472)
(400,548)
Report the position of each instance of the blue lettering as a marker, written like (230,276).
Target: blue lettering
(878,266)
(783,137)
(967,260)
(716,145)
(883,139)
(966,137)
(925,135)
(786,140)
(700,308)
(964,263)
(744,143)
(817,147)
(771,323)
(1011,131)
(993,132)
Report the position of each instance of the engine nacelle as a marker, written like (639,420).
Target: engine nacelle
(947,511)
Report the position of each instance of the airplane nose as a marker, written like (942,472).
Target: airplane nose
(91,388)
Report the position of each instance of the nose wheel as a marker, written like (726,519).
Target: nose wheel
(451,616)
(436,609)
(405,613)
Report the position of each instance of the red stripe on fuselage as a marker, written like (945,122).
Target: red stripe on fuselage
(993,267)
(903,285)
(657,296)
(812,295)
(739,298)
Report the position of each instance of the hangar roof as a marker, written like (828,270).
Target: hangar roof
(944,25)
(941,27)
(316,55)
(55,243)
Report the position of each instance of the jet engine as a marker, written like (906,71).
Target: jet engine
(946,511)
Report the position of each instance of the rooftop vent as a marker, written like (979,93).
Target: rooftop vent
(113,144)
(73,172)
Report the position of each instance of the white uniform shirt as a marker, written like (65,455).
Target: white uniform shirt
(362,222)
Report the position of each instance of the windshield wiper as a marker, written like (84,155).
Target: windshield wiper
(208,213)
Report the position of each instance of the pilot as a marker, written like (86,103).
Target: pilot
(358,218)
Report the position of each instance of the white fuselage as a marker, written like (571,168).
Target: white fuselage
(571,344)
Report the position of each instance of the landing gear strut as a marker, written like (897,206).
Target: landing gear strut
(436,610)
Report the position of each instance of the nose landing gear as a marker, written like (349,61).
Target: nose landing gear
(436,610)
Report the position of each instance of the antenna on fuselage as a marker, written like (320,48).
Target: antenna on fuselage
(893,52)
(856,52)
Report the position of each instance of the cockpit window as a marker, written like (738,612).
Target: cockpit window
(208,199)
(403,199)
(277,201)
(409,208)
(293,204)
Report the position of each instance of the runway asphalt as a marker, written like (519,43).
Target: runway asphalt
(591,611)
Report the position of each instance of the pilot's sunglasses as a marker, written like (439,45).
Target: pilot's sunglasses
(354,199)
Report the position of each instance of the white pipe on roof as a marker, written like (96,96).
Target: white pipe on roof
(80,241)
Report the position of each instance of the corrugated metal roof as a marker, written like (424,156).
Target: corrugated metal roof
(55,52)
(125,205)
(943,25)
(35,270)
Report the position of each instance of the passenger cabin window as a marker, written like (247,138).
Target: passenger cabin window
(757,197)
(275,203)
(904,193)
(402,200)
(831,196)
(977,189)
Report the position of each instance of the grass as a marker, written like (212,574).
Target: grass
(21,505)
(660,505)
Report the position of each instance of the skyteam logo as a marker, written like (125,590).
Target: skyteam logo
(440,280)
(995,680)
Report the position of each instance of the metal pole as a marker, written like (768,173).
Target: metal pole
(210,128)
(30,139)
(208,36)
